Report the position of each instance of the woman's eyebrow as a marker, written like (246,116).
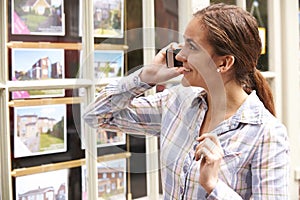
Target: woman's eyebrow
(191,41)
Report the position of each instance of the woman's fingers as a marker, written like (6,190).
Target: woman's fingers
(160,57)
(213,137)
(209,148)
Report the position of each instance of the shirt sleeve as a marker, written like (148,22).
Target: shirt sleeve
(223,192)
(120,105)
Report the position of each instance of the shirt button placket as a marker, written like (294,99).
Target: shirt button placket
(182,188)
(185,168)
(181,192)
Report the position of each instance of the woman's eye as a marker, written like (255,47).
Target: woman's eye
(192,46)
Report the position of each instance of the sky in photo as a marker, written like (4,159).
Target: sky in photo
(23,59)
(52,111)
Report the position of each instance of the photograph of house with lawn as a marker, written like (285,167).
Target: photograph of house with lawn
(38,17)
(108,63)
(108,18)
(39,130)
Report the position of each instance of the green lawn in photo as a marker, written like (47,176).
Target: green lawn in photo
(45,92)
(46,141)
(111,32)
(33,21)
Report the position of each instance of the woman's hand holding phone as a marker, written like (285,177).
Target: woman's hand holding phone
(158,71)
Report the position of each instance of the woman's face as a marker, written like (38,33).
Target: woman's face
(198,57)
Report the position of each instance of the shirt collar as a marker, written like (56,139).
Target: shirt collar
(200,96)
(250,112)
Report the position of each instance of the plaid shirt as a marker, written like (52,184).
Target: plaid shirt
(256,151)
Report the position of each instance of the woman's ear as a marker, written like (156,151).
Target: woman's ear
(225,63)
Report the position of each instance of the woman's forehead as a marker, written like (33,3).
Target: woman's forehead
(195,31)
(197,34)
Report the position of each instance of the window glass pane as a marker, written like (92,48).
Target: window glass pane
(259,9)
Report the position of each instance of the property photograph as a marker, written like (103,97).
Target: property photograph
(108,63)
(39,130)
(110,137)
(38,17)
(108,18)
(37,64)
(111,180)
(51,185)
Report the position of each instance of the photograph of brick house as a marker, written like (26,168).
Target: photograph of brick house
(39,130)
(111,180)
(35,187)
(37,64)
(37,17)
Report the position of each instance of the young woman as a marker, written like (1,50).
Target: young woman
(218,133)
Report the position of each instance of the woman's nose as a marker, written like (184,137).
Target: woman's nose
(180,56)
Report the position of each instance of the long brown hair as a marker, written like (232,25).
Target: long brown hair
(234,31)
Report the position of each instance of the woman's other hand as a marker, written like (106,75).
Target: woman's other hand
(210,154)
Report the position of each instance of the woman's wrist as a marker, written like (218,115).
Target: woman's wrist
(209,186)
(147,76)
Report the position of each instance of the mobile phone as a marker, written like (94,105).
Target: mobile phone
(170,58)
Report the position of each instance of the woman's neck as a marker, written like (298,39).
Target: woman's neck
(224,103)
(235,97)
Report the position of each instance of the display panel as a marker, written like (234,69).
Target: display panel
(111,180)
(37,64)
(43,186)
(39,130)
(64,36)
(38,17)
